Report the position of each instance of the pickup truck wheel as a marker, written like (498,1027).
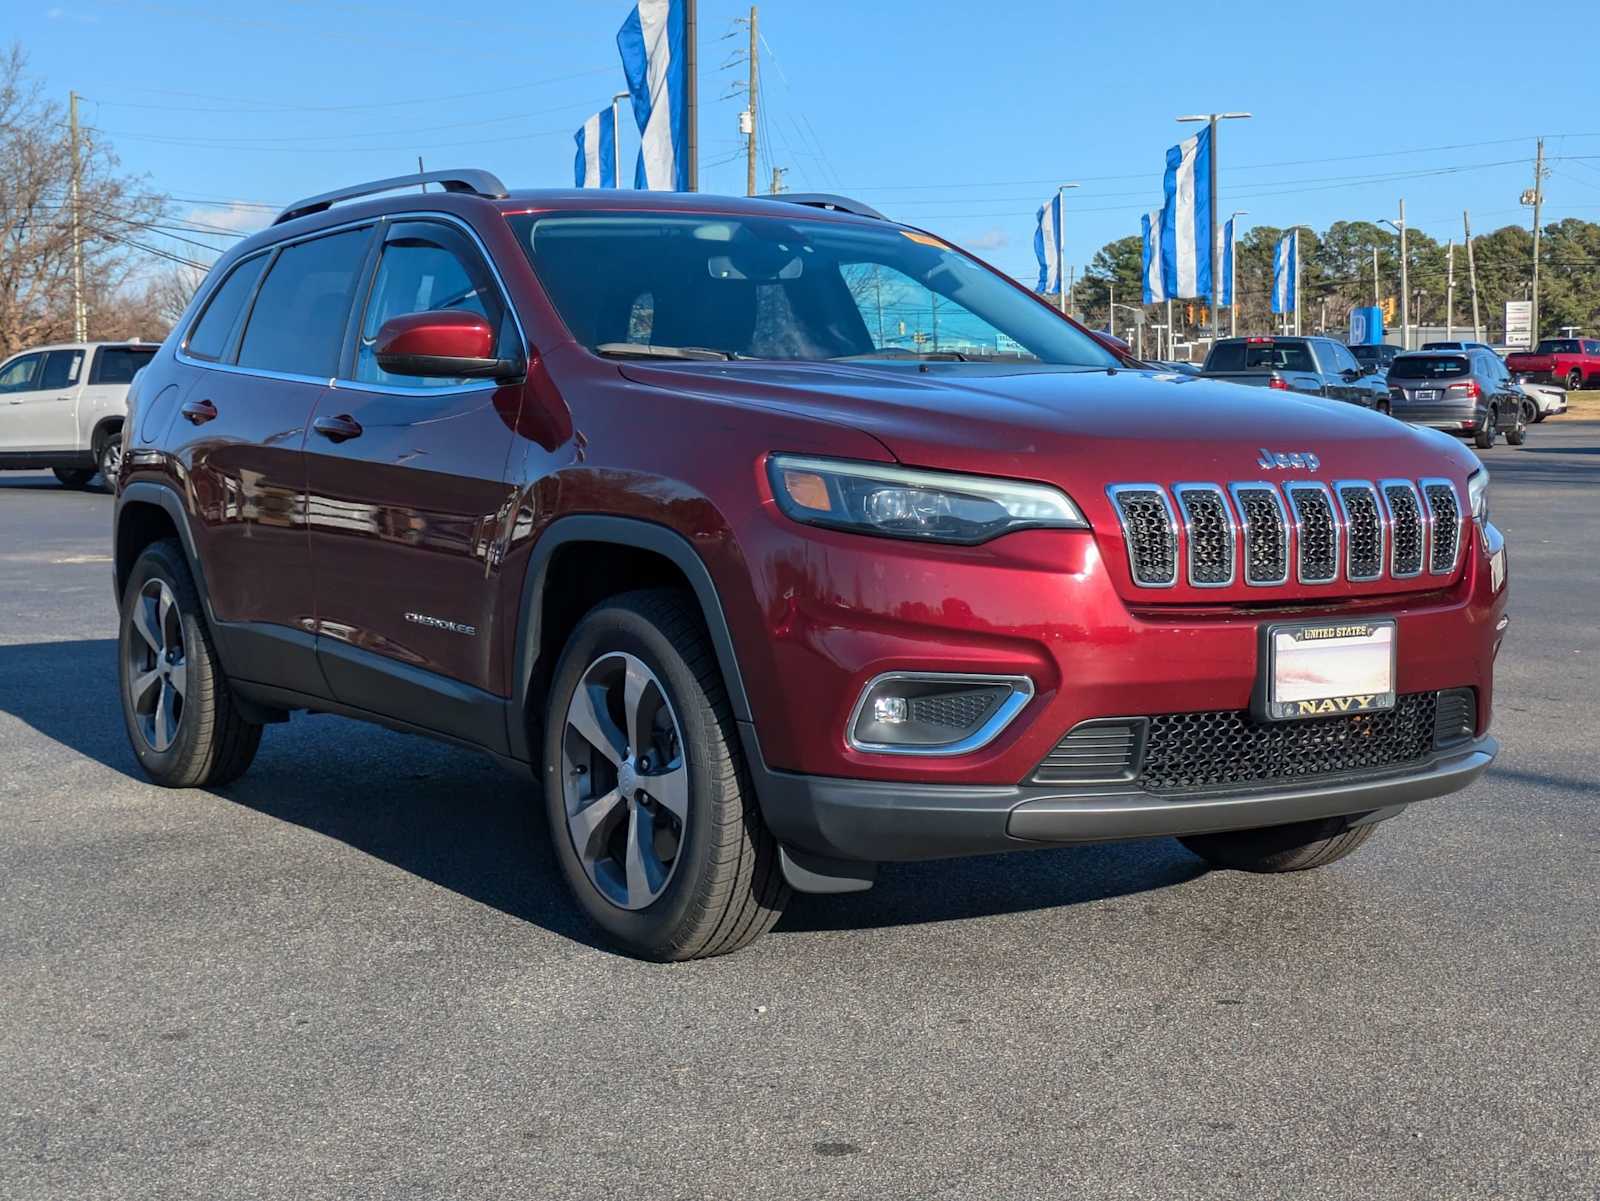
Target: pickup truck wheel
(1574,380)
(180,713)
(651,811)
(1294,848)
(108,456)
(1485,436)
(74,477)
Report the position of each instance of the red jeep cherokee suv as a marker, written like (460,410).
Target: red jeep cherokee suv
(779,540)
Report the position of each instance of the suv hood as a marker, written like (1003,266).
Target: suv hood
(1079,429)
(1085,430)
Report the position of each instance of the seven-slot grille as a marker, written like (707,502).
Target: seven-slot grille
(1357,530)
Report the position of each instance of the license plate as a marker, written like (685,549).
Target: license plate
(1325,669)
(1427,394)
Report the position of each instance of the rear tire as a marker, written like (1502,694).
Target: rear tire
(108,457)
(662,843)
(74,477)
(1294,848)
(1518,434)
(1487,432)
(182,722)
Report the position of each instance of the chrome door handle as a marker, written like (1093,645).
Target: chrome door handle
(337,429)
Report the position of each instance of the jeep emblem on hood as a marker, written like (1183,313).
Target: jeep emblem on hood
(1285,461)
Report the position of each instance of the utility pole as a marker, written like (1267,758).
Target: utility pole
(1376,299)
(1405,278)
(1538,203)
(691,69)
(1216,245)
(1472,275)
(1111,307)
(1450,292)
(751,87)
(777,179)
(80,311)
(1233,284)
(1172,350)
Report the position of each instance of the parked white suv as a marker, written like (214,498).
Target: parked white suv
(63,406)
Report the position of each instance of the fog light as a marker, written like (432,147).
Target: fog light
(934,713)
(889,709)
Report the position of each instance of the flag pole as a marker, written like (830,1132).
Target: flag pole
(616,138)
(692,98)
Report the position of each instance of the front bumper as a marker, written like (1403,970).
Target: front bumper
(873,821)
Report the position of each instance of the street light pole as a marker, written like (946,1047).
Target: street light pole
(1211,234)
(1405,277)
(1061,244)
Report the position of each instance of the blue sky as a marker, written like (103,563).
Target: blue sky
(959,117)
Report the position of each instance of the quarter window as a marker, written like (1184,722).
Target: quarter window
(119,364)
(426,268)
(218,325)
(297,322)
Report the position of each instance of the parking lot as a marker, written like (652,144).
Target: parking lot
(355,972)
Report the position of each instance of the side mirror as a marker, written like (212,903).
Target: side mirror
(443,344)
(1351,374)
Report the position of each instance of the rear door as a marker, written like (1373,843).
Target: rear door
(409,497)
(266,347)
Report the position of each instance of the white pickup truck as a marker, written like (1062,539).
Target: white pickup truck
(62,407)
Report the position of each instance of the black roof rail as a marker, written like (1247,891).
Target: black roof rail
(826,200)
(471,180)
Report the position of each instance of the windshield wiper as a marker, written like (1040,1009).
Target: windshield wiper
(642,350)
(895,352)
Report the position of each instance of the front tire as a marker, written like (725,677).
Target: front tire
(1484,438)
(182,722)
(1293,848)
(74,477)
(1574,380)
(651,812)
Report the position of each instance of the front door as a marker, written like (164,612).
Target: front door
(40,391)
(408,502)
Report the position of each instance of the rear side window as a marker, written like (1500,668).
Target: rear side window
(1226,356)
(214,332)
(1428,366)
(117,364)
(62,369)
(297,322)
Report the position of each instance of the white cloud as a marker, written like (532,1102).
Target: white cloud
(238,215)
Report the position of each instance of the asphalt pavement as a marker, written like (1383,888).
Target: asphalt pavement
(355,974)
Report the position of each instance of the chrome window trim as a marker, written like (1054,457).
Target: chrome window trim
(339,382)
(1113,491)
(1005,713)
(1180,491)
(1383,529)
(1244,524)
(1424,530)
(1463,516)
(1334,515)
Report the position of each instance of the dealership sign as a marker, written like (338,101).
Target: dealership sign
(1519,324)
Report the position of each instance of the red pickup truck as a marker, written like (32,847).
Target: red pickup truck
(1571,362)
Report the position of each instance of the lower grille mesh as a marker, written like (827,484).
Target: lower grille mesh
(1191,751)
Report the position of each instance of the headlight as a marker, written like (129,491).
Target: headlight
(1478,494)
(895,502)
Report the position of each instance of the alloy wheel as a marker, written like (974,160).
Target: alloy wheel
(111,461)
(624,780)
(158,673)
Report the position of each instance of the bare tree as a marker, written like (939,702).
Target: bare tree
(116,215)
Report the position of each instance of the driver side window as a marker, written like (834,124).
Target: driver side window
(426,268)
(18,375)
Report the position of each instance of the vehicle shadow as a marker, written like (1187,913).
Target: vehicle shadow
(459,821)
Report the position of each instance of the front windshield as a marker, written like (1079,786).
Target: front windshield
(664,285)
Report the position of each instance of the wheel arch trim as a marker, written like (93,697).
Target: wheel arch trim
(147,492)
(621,531)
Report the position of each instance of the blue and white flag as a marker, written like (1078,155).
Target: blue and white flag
(1155,287)
(596,164)
(1186,222)
(1285,261)
(652,44)
(1227,262)
(1047,246)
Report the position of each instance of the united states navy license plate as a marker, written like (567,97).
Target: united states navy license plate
(1325,669)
